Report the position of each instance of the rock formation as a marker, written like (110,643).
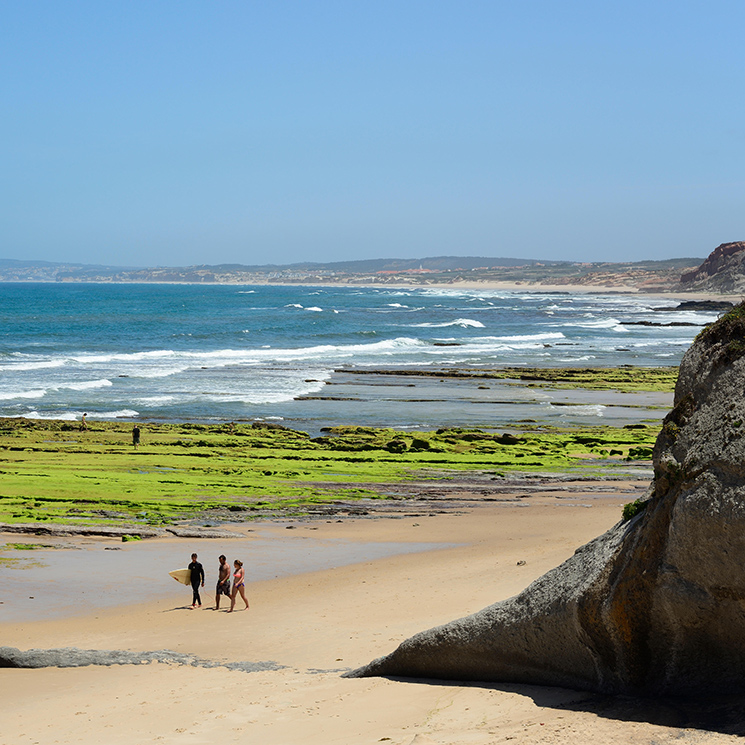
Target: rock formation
(74,657)
(657,604)
(722,271)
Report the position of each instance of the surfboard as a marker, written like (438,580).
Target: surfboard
(181,575)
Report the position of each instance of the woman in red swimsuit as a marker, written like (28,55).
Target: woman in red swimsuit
(238,584)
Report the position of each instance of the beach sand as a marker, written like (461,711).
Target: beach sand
(317,625)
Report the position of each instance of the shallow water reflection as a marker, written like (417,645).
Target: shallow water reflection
(100,573)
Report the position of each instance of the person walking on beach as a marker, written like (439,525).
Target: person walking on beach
(239,585)
(135,437)
(223,581)
(197,578)
(83,425)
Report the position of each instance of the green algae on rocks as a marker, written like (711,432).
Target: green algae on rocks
(625,378)
(53,472)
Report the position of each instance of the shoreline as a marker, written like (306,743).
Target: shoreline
(303,631)
(104,575)
(512,287)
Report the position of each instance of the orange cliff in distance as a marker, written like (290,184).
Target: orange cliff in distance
(722,271)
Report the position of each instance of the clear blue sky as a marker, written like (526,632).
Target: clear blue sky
(172,133)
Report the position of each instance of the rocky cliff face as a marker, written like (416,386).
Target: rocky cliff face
(657,604)
(722,271)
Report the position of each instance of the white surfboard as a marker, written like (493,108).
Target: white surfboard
(181,575)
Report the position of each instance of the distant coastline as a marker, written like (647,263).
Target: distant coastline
(489,286)
(471,273)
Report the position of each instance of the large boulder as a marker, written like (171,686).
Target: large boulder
(657,604)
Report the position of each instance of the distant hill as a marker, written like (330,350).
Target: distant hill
(437,270)
(435,263)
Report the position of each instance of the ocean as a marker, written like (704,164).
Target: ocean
(287,354)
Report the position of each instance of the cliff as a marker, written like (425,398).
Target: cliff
(722,271)
(655,606)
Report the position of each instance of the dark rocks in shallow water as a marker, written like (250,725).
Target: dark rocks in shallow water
(700,305)
(655,323)
(271,425)
(655,606)
(10,657)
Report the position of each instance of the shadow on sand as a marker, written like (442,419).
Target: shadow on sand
(724,714)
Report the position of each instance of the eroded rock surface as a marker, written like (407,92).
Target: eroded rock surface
(722,271)
(657,604)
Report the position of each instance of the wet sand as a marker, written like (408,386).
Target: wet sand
(316,625)
(80,576)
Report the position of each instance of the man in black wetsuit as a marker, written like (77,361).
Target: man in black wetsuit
(197,579)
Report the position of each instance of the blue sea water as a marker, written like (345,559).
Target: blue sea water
(230,353)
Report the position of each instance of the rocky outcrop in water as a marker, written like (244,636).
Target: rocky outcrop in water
(722,271)
(657,604)
(74,657)
(111,531)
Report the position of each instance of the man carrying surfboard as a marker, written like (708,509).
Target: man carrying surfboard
(197,578)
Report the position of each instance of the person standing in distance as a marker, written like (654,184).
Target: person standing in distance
(223,581)
(197,579)
(239,584)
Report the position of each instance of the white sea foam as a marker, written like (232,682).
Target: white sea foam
(528,337)
(118,414)
(315,309)
(88,385)
(462,322)
(329,352)
(661,342)
(600,323)
(11,395)
(252,397)
(65,416)
(591,410)
(154,354)
(26,364)
(71,416)
(158,372)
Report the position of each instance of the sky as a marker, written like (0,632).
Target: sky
(177,133)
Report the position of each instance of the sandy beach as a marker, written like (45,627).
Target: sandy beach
(426,317)
(313,626)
